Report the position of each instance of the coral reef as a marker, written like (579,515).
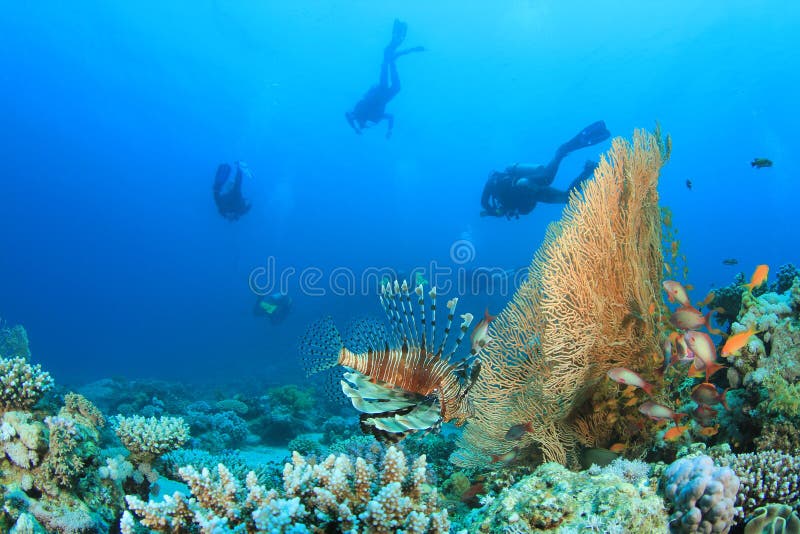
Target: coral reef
(555,499)
(13,341)
(701,495)
(585,308)
(21,384)
(767,477)
(335,495)
(148,438)
(773,519)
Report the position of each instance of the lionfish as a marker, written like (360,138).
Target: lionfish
(403,380)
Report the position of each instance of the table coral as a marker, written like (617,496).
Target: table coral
(335,495)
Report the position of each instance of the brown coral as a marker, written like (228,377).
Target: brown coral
(586,307)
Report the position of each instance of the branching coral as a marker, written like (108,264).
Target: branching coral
(21,384)
(766,477)
(586,307)
(335,495)
(147,439)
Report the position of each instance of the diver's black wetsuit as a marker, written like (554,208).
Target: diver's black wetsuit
(371,109)
(231,204)
(516,190)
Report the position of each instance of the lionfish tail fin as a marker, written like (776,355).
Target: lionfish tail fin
(320,346)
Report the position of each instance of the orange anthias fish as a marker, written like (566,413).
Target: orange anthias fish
(660,412)
(704,414)
(629,378)
(708,300)
(618,448)
(690,318)
(480,334)
(735,343)
(758,278)
(705,353)
(709,431)
(674,433)
(676,292)
(709,395)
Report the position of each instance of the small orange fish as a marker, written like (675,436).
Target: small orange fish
(629,378)
(705,353)
(674,248)
(651,309)
(618,448)
(758,278)
(735,343)
(675,432)
(706,301)
(676,292)
(706,372)
(631,401)
(709,431)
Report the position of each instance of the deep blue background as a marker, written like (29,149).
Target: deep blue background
(115,114)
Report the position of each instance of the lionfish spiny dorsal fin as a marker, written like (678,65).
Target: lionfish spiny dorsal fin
(390,308)
(408,314)
(465,322)
(432,296)
(421,304)
(451,310)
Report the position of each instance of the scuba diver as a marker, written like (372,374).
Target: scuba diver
(275,306)
(371,109)
(516,190)
(228,193)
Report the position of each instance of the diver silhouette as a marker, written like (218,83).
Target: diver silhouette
(228,193)
(371,109)
(518,189)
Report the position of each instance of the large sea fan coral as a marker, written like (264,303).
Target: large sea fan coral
(586,307)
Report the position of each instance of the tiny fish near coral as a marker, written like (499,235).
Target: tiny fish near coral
(758,278)
(629,378)
(735,343)
(660,412)
(676,292)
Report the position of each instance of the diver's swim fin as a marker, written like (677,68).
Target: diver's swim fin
(591,135)
(399,31)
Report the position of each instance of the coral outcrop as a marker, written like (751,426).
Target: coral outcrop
(336,495)
(22,384)
(615,499)
(701,495)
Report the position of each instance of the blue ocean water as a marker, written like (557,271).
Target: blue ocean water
(115,116)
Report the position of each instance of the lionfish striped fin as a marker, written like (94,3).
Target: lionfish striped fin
(421,304)
(395,332)
(320,346)
(432,296)
(408,315)
(451,310)
(466,321)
